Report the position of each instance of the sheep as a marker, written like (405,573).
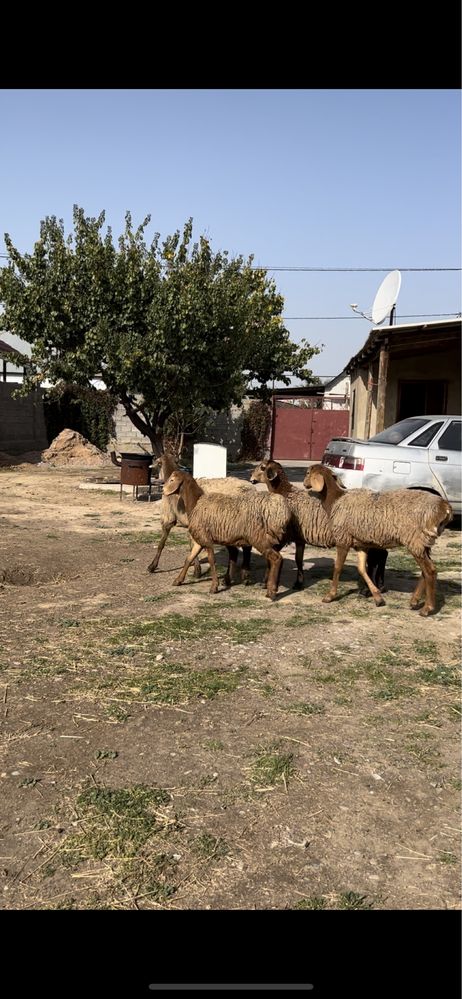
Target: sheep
(173,512)
(361,518)
(309,523)
(253,520)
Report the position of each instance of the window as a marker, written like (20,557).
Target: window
(424,439)
(396,433)
(450,440)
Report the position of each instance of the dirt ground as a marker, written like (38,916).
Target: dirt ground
(166,748)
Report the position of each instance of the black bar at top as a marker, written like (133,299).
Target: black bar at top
(192,987)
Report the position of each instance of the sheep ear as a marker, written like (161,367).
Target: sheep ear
(316,482)
(172,485)
(271,474)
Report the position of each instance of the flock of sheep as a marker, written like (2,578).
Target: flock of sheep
(232,513)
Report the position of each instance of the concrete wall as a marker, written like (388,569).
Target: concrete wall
(223,428)
(22,423)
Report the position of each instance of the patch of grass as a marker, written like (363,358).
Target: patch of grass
(314,902)
(116,823)
(310,618)
(173,683)
(305,708)
(157,597)
(425,648)
(272,766)
(446,857)
(208,846)
(117,712)
(352,900)
(53,537)
(213,744)
(106,754)
(440,676)
(92,515)
(207,622)
(69,622)
(153,538)
(268,690)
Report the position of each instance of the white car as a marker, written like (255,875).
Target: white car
(421,452)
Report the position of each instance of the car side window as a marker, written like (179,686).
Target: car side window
(451,439)
(425,438)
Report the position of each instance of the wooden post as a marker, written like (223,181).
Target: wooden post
(367,424)
(382,387)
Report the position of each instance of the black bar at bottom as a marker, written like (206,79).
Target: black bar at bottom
(229,988)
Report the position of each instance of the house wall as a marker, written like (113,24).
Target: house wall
(22,423)
(444,365)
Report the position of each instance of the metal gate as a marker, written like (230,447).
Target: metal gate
(301,433)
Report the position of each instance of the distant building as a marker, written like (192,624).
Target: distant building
(407,370)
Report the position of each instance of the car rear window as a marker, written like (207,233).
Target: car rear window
(424,439)
(397,433)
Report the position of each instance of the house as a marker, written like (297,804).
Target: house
(411,369)
(22,422)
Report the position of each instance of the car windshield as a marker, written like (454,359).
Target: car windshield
(399,431)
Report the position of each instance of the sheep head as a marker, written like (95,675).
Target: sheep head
(174,483)
(316,478)
(266,471)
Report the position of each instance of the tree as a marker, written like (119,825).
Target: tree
(168,326)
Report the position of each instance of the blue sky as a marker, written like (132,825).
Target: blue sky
(314,178)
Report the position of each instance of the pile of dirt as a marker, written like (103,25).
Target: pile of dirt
(70,448)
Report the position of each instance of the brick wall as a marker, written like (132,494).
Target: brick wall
(22,423)
(223,428)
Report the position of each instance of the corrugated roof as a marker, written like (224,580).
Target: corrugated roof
(377,334)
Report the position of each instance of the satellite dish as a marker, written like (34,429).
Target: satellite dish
(386,297)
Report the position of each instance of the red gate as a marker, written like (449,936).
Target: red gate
(301,433)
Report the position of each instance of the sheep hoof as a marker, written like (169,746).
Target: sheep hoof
(197,572)
(177,582)
(415,604)
(152,567)
(214,588)
(271,595)
(426,611)
(379,602)
(328,599)
(226,582)
(298,585)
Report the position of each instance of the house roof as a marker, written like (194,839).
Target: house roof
(438,333)
(6,348)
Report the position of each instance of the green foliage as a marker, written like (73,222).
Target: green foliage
(81,408)
(161,323)
(255,430)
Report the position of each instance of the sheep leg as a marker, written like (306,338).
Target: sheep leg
(195,551)
(416,598)
(245,570)
(231,571)
(166,528)
(276,548)
(213,569)
(299,553)
(197,565)
(376,594)
(375,567)
(340,556)
(274,560)
(429,575)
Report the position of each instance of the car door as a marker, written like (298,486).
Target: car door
(444,457)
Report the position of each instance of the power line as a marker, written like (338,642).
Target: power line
(338,270)
(412,315)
